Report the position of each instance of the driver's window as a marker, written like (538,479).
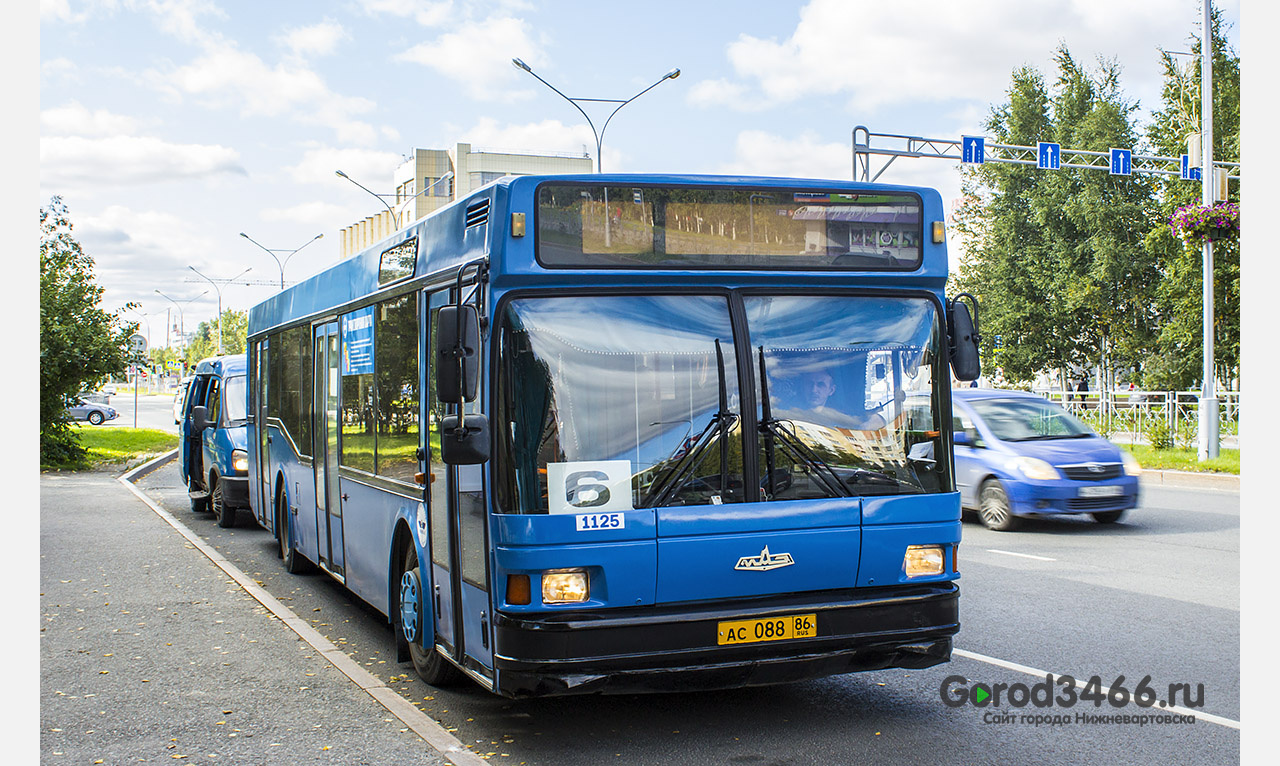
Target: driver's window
(215,401)
(963,423)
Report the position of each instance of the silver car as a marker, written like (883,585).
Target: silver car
(95,413)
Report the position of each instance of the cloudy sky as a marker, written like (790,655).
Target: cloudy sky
(170,126)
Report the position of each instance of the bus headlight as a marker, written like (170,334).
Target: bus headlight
(240,461)
(1131,464)
(565,587)
(922,560)
(1035,468)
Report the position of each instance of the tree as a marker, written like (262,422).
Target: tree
(1052,255)
(235,333)
(80,344)
(1175,360)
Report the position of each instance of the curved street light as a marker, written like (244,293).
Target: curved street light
(394,218)
(599,135)
(182,327)
(404,206)
(219,291)
(272,253)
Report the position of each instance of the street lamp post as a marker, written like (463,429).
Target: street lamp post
(219,291)
(599,135)
(273,255)
(182,327)
(1207,447)
(395,220)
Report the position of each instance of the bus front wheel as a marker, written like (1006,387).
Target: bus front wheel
(224,515)
(431,666)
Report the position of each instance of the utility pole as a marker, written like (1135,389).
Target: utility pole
(1208,436)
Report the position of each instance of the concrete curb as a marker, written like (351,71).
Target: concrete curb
(1191,479)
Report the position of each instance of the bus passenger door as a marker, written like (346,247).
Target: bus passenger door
(459,543)
(328,497)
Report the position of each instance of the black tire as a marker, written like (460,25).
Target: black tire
(224,514)
(96,418)
(430,665)
(1107,517)
(198,504)
(993,507)
(294,562)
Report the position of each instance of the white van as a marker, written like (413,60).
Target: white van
(180,398)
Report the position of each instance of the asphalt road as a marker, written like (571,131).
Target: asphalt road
(154,411)
(1156,595)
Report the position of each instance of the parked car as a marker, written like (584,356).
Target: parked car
(180,398)
(212,448)
(1018,454)
(97,413)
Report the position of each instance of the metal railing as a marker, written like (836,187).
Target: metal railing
(1135,415)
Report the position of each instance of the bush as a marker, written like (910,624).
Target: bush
(1159,435)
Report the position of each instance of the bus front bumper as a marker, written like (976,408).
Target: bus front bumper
(666,649)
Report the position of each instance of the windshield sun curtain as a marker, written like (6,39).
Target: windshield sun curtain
(623,402)
(593,225)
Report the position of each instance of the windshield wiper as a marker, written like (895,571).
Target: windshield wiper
(773,432)
(719,424)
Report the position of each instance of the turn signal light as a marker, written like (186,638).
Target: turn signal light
(518,592)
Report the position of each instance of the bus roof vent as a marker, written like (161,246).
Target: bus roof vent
(478,213)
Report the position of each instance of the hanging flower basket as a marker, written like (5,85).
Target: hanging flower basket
(1213,223)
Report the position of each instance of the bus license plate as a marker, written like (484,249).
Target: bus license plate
(1107,491)
(772,629)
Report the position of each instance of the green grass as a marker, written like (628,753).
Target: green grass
(1177,459)
(118,445)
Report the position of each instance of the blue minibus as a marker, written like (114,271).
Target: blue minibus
(618,433)
(213,450)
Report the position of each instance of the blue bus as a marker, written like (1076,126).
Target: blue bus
(618,433)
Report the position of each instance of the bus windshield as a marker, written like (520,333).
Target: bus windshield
(648,386)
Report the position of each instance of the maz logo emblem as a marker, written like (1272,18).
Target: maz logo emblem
(765,561)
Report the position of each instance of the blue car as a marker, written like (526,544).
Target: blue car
(213,451)
(1018,454)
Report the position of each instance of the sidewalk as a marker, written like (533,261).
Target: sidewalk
(150,654)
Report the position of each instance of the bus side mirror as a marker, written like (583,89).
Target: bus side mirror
(464,442)
(457,353)
(199,419)
(963,337)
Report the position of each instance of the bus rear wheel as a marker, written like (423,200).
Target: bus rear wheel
(430,665)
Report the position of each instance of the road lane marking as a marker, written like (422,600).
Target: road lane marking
(1021,555)
(422,724)
(1007,665)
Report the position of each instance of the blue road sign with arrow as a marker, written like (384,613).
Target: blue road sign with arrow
(974,149)
(1186,172)
(1048,156)
(1121,162)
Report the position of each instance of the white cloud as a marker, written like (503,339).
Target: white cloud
(869,53)
(316,40)
(317,213)
(75,119)
(129,160)
(759,153)
(478,54)
(428,13)
(225,76)
(374,169)
(534,137)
